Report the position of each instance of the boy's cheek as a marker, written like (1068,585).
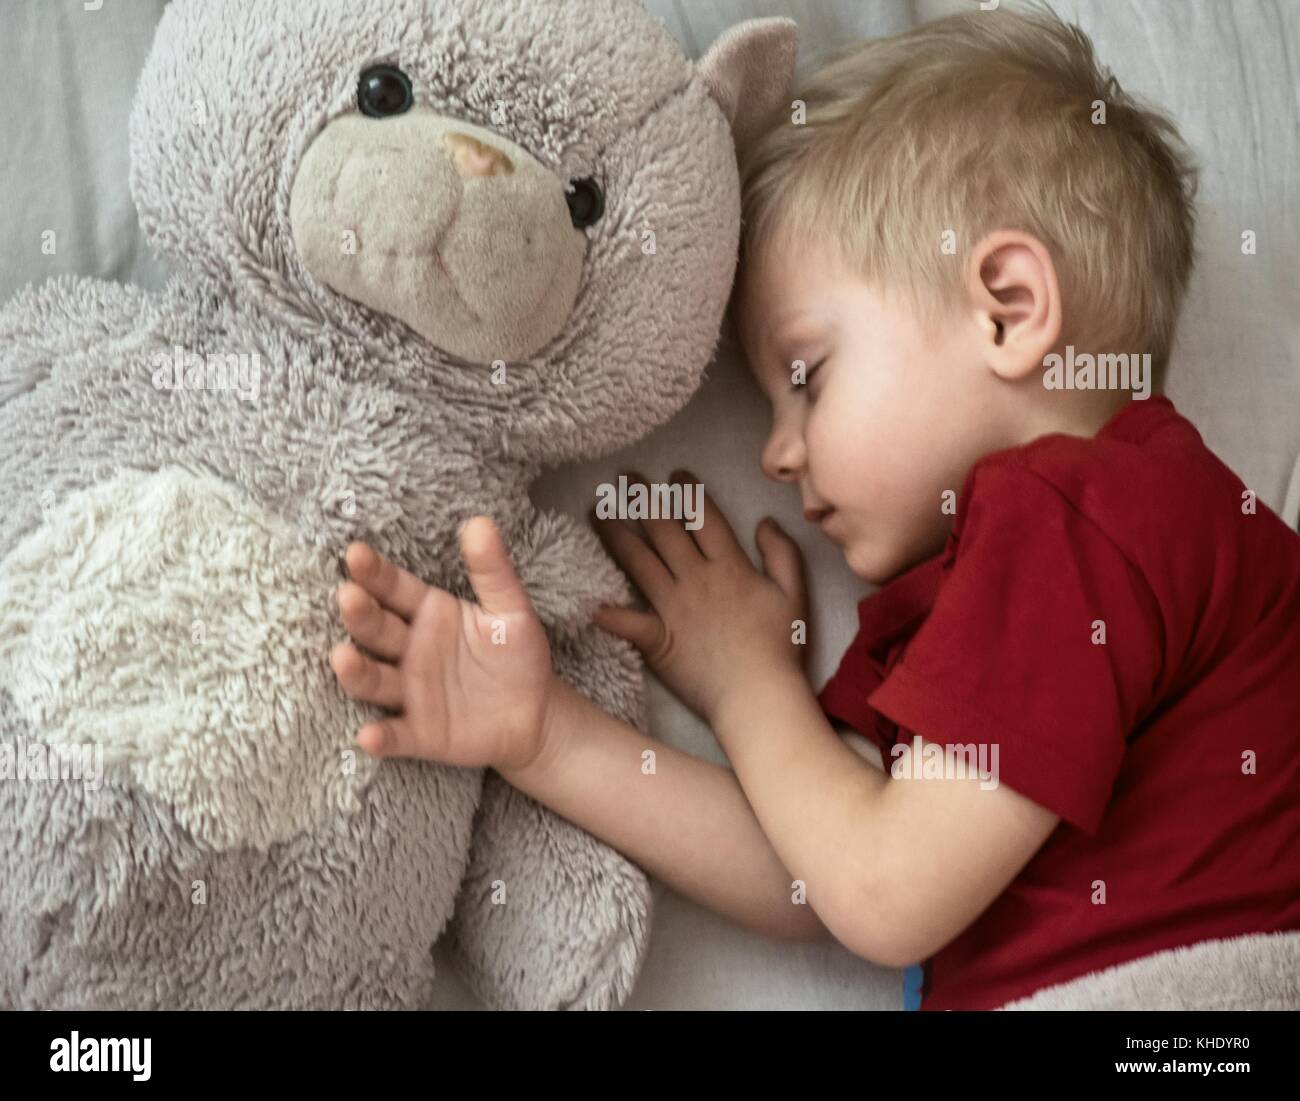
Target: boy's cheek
(903,526)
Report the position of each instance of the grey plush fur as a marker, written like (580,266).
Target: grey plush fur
(169,554)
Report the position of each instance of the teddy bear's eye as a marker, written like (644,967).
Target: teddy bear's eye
(384,90)
(586,202)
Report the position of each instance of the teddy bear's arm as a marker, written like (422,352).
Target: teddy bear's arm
(42,325)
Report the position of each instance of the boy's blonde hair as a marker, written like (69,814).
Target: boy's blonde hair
(973,123)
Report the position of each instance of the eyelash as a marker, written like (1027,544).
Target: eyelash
(796,386)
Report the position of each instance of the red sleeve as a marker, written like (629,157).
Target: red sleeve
(845,695)
(886,620)
(1007,656)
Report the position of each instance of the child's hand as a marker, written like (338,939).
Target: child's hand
(718,625)
(470,682)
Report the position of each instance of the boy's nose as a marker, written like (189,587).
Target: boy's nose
(777,472)
(778,462)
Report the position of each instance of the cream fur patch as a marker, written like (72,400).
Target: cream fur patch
(172,621)
(1250,972)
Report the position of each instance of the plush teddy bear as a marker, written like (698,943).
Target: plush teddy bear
(425,248)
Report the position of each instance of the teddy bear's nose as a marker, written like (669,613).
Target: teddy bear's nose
(475,159)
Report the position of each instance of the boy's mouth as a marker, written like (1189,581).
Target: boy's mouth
(817,515)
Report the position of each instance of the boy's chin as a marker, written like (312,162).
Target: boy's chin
(879,563)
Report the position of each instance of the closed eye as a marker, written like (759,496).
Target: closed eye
(808,377)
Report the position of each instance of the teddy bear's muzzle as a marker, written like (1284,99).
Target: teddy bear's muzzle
(451,228)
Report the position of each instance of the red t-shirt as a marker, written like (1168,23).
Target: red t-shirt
(1141,744)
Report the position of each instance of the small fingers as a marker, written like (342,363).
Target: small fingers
(365,679)
(782,561)
(674,544)
(492,574)
(671,541)
(388,738)
(367,621)
(394,588)
(715,536)
(644,630)
(637,558)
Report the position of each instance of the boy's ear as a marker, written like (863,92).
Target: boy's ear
(749,71)
(1016,300)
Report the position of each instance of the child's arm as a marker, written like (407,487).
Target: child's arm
(895,868)
(687,823)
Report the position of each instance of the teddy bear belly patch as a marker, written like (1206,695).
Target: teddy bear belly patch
(167,619)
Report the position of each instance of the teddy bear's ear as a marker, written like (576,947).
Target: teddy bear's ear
(749,71)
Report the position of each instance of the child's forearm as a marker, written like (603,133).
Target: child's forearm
(821,804)
(687,823)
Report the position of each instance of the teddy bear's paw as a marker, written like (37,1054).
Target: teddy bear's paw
(567,572)
(169,621)
(548,916)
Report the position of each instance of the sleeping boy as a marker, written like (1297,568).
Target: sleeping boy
(961,270)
